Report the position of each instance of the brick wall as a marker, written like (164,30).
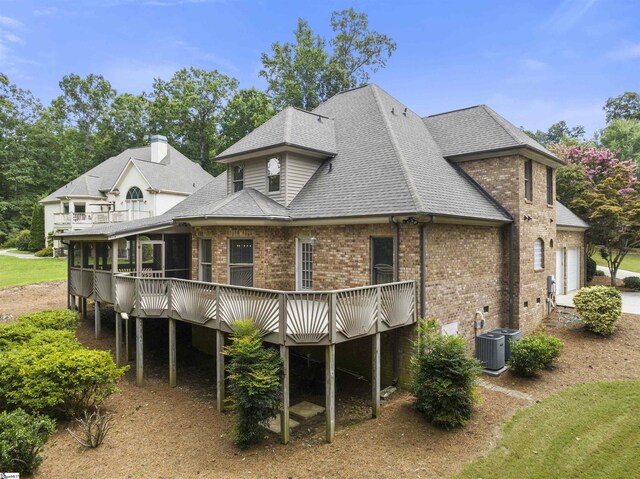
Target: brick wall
(503,178)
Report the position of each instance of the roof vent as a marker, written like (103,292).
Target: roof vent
(159,148)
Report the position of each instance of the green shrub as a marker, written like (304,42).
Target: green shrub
(599,272)
(44,252)
(592,267)
(254,381)
(443,377)
(52,319)
(14,334)
(60,379)
(22,240)
(532,353)
(37,241)
(22,438)
(599,307)
(632,282)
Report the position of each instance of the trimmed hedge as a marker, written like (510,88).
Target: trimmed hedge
(535,352)
(60,379)
(592,267)
(52,319)
(22,438)
(632,282)
(599,307)
(37,240)
(443,377)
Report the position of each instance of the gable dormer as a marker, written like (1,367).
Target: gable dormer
(280,156)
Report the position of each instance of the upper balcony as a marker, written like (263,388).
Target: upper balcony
(86,220)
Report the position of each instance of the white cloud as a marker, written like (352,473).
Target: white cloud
(10,23)
(46,12)
(568,14)
(626,51)
(533,65)
(8,40)
(131,76)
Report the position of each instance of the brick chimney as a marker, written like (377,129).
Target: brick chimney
(158,148)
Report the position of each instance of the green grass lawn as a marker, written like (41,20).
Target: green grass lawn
(631,262)
(588,431)
(16,271)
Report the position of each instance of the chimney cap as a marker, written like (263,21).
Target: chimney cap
(158,139)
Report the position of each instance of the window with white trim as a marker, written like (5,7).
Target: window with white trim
(305,265)
(538,254)
(238,178)
(528,180)
(273,175)
(241,262)
(205,260)
(135,199)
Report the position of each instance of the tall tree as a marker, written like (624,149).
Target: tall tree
(625,106)
(603,190)
(558,133)
(127,124)
(304,73)
(187,110)
(247,110)
(623,136)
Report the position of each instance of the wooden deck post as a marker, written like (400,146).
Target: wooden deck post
(97,319)
(172,353)
(284,412)
(118,340)
(375,375)
(128,344)
(220,370)
(330,392)
(139,352)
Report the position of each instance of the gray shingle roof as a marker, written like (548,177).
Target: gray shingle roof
(478,129)
(247,203)
(175,172)
(566,217)
(387,162)
(291,126)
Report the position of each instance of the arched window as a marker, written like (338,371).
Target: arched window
(134,193)
(538,254)
(135,199)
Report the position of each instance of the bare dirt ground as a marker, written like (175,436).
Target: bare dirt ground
(160,432)
(34,297)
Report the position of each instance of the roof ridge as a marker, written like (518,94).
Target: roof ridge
(498,119)
(454,111)
(403,164)
(287,125)
(250,192)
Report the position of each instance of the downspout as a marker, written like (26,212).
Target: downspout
(423,269)
(512,274)
(396,277)
(68,273)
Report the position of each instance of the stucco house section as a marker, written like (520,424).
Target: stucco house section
(138,183)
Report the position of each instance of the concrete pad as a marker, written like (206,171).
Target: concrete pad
(305,410)
(274,424)
(493,372)
(386,392)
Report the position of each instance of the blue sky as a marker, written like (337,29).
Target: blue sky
(535,62)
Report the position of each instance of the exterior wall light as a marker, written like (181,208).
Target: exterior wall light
(313,241)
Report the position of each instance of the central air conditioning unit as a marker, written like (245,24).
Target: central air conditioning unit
(509,335)
(490,350)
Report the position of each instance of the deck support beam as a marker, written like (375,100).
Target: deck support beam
(139,352)
(128,344)
(284,412)
(172,353)
(220,370)
(97,319)
(330,392)
(118,340)
(375,375)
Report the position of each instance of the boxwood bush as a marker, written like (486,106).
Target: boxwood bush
(535,352)
(52,319)
(632,282)
(599,307)
(22,438)
(254,381)
(14,334)
(52,374)
(443,377)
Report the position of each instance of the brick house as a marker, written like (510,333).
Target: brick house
(338,227)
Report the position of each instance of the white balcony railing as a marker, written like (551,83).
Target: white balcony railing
(88,219)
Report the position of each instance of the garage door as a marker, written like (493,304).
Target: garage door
(560,271)
(573,269)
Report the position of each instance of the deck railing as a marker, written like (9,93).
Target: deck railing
(98,217)
(283,317)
